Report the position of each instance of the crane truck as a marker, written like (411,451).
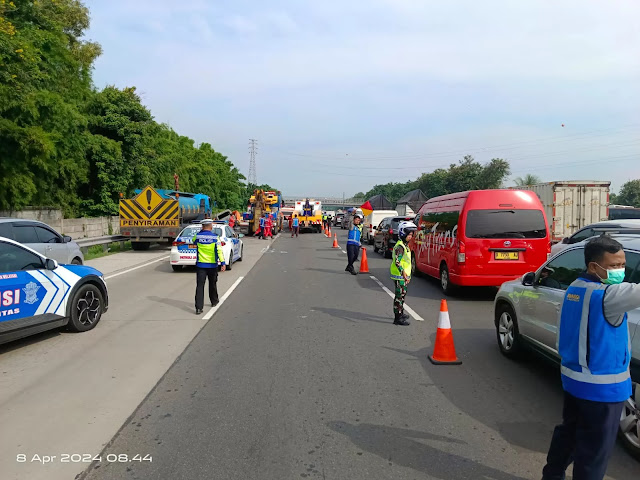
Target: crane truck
(269,202)
(309,214)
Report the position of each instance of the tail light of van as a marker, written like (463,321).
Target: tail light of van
(462,250)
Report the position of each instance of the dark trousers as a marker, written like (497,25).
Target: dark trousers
(295,231)
(586,438)
(201,277)
(352,255)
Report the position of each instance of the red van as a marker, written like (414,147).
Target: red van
(480,237)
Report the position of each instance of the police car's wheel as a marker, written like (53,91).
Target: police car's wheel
(86,308)
(241,252)
(630,422)
(507,331)
(230,263)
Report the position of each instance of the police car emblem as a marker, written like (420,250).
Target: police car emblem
(31,291)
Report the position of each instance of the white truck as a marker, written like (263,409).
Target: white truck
(571,205)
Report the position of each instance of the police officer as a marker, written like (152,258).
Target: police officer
(593,342)
(401,270)
(353,243)
(210,255)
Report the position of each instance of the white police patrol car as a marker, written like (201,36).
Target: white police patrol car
(184,252)
(37,294)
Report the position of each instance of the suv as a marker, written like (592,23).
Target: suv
(386,234)
(527,312)
(43,239)
(595,229)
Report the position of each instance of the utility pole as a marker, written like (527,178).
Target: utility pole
(253,150)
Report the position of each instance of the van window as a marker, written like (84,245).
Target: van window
(443,221)
(505,224)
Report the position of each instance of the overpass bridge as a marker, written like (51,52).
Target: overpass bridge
(327,201)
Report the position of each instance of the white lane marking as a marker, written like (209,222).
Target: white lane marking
(406,307)
(224,297)
(136,268)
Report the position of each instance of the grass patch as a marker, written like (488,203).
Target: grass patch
(98,251)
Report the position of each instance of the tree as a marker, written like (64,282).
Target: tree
(359,196)
(528,180)
(629,194)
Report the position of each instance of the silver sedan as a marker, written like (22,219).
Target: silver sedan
(527,313)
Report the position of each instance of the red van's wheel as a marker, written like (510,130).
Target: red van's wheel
(448,288)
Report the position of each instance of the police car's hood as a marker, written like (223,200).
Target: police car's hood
(82,270)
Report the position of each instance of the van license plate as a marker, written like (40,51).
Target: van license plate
(506,255)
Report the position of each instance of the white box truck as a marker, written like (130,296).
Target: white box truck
(572,204)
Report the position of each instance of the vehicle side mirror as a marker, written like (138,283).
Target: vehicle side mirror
(528,279)
(66,239)
(50,264)
(565,240)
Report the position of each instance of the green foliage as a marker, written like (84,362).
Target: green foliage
(465,175)
(528,180)
(629,194)
(62,143)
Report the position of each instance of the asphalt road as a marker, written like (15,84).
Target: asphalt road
(301,374)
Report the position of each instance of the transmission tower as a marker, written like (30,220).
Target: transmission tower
(253,150)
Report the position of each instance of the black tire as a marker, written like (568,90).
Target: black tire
(230,262)
(507,331)
(447,287)
(86,308)
(375,248)
(414,269)
(387,251)
(140,246)
(76,261)
(241,253)
(631,438)
(177,268)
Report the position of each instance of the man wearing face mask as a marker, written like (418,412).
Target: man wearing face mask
(593,342)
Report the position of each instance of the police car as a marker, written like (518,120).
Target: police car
(184,252)
(38,294)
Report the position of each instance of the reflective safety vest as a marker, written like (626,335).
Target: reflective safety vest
(355,233)
(405,263)
(595,354)
(209,249)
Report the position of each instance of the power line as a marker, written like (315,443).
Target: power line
(253,147)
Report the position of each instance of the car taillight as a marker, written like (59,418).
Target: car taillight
(462,250)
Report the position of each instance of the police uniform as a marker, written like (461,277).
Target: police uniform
(400,263)
(353,246)
(594,345)
(210,255)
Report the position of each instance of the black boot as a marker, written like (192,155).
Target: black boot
(404,316)
(401,320)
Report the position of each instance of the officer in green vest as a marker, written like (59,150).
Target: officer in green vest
(210,256)
(401,270)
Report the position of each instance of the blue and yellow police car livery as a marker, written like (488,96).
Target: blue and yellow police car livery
(37,294)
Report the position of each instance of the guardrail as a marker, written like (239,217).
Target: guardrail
(105,241)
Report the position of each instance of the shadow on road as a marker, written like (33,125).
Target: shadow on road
(179,304)
(24,342)
(400,447)
(353,316)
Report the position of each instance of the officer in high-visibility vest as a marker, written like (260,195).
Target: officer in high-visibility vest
(353,243)
(210,256)
(401,270)
(593,343)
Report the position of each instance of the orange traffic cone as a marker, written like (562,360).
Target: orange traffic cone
(326,232)
(335,242)
(364,263)
(444,352)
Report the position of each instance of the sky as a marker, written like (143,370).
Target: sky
(344,95)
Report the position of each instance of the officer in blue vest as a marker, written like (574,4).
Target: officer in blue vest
(594,345)
(353,243)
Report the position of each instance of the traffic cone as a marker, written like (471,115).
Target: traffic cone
(326,232)
(364,264)
(444,352)
(335,242)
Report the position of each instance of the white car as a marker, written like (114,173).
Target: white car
(184,252)
(595,229)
